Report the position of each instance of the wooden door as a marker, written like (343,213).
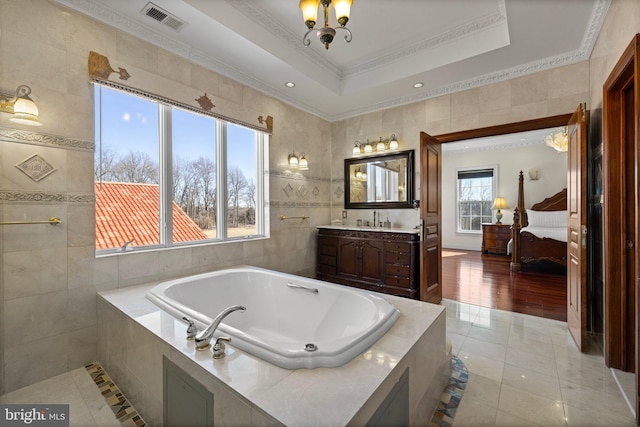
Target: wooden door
(577,237)
(430,212)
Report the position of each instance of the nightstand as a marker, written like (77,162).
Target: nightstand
(495,238)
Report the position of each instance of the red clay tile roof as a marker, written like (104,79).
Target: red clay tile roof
(126,211)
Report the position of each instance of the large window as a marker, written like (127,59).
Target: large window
(166,176)
(475,192)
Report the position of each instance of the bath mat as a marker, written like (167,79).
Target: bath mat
(452,395)
(121,407)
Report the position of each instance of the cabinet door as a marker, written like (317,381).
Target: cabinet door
(372,265)
(348,257)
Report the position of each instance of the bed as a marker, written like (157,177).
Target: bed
(539,234)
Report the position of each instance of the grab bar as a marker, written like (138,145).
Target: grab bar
(284,217)
(312,290)
(53,221)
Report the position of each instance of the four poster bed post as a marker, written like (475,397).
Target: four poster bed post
(539,235)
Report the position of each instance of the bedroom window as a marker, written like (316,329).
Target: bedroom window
(475,190)
(166,176)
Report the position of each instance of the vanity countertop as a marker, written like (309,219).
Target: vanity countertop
(378,229)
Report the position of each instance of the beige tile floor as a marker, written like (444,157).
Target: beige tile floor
(87,407)
(523,371)
(526,371)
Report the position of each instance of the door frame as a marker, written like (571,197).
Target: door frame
(617,325)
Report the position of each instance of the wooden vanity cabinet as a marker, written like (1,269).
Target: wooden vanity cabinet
(381,261)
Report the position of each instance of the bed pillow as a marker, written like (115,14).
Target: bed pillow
(547,219)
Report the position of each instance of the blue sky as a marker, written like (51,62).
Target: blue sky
(131,123)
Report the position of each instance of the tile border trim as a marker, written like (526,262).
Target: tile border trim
(37,138)
(119,404)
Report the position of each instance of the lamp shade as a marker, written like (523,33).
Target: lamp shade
(342,8)
(499,203)
(25,112)
(309,10)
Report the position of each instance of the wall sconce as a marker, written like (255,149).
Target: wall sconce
(499,203)
(298,162)
(393,142)
(22,107)
(293,160)
(357,148)
(368,148)
(302,162)
(381,146)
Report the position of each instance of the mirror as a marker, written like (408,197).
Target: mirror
(379,181)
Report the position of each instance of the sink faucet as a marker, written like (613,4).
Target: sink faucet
(204,337)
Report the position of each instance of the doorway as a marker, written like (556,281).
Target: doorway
(621,115)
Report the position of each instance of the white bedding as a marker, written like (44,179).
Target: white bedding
(556,233)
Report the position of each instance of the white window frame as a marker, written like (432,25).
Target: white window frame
(166,181)
(494,189)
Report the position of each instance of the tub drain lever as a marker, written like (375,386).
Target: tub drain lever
(191,329)
(219,347)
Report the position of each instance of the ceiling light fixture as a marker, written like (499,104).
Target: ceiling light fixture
(558,140)
(418,85)
(22,107)
(290,84)
(326,34)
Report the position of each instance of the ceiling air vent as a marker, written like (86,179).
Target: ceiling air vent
(159,14)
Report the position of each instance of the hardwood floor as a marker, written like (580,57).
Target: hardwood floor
(486,280)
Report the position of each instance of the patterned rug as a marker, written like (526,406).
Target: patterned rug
(452,395)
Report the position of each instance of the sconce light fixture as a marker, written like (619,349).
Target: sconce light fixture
(22,107)
(293,160)
(298,162)
(393,142)
(325,33)
(357,148)
(361,174)
(303,164)
(381,146)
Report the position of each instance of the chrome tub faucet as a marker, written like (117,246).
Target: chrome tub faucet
(203,338)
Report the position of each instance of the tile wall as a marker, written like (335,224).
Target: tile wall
(50,275)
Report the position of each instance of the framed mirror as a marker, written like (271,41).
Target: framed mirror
(379,181)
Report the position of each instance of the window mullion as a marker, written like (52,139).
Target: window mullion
(221,178)
(166,176)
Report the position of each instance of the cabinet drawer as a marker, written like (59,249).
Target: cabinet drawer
(402,282)
(328,260)
(397,270)
(327,269)
(328,250)
(397,258)
(397,247)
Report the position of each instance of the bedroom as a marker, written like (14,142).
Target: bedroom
(545,173)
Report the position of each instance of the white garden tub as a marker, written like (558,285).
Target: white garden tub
(290,321)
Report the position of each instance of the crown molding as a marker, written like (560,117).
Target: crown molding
(462,31)
(108,16)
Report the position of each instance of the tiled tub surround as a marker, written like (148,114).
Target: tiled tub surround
(134,335)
